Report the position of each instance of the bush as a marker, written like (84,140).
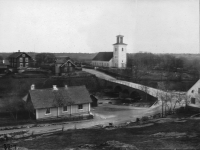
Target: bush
(145,118)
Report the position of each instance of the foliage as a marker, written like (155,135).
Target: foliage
(13,105)
(44,58)
(168,62)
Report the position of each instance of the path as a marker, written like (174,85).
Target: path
(151,91)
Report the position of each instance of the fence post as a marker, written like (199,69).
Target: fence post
(62,128)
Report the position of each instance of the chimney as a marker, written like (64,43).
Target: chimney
(55,87)
(32,87)
(18,50)
(66,87)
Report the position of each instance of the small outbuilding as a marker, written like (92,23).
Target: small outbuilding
(64,66)
(94,101)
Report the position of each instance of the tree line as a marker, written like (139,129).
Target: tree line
(168,62)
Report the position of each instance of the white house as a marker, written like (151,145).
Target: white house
(193,95)
(59,102)
(117,58)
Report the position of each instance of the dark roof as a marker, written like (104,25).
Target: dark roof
(47,98)
(120,36)
(119,44)
(67,62)
(103,56)
(17,54)
(61,59)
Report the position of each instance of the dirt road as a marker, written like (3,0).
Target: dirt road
(104,114)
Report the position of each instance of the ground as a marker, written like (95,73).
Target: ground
(182,134)
(164,133)
(153,134)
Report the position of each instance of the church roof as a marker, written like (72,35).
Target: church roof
(103,56)
(119,44)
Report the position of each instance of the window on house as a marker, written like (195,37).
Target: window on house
(20,59)
(69,64)
(48,111)
(199,90)
(26,59)
(23,55)
(26,64)
(192,91)
(21,64)
(80,106)
(122,49)
(192,100)
(115,49)
(65,108)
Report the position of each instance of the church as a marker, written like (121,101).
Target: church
(117,58)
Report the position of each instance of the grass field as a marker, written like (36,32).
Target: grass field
(182,135)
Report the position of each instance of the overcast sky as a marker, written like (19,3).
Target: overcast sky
(157,26)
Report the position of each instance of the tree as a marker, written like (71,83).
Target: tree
(181,98)
(165,96)
(138,70)
(44,58)
(13,105)
(145,89)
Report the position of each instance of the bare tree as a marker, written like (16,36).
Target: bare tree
(145,89)
(180,98)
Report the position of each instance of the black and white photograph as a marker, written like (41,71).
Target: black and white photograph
(99,75)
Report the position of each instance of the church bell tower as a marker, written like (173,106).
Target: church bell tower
(119,53)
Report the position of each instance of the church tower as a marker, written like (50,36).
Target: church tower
(119,53)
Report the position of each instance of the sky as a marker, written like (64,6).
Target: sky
(91,26)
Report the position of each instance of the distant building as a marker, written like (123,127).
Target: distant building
(193,95)
(63,66)
(117,58)
(3,68)
(19,60)
(59,102)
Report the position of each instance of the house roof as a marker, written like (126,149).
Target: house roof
(47,98)
(17,54)
(67,62)
(103,56)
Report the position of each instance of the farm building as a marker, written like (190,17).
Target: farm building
(63,66)
(20,60)
(59,102)
(193,96)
